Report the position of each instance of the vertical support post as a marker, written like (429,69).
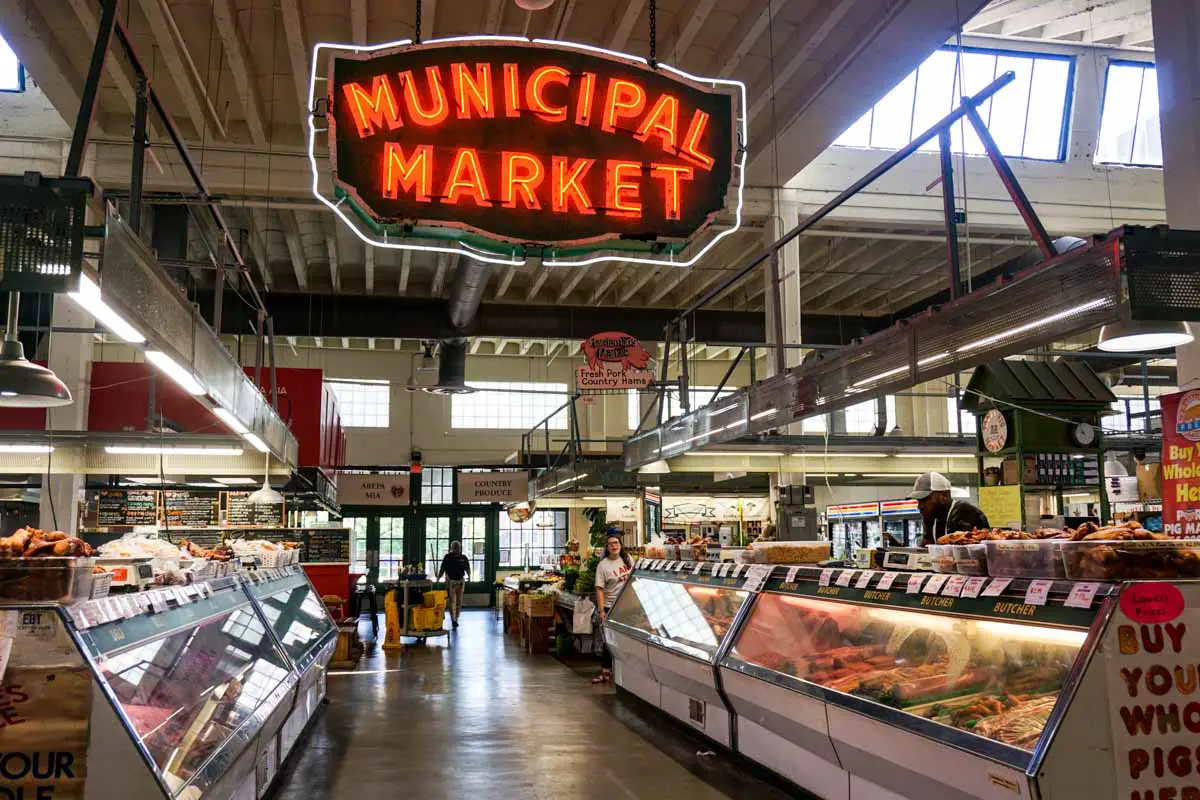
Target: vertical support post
(271,353)
(662,373)
(137,170)
(753,364)
(1145,395)
(685,394)
(952,262)
(218,298)
(258,350)
(776,313)
(91,88)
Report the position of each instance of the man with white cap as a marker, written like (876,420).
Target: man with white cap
(941,514)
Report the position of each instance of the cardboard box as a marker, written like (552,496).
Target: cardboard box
(1008,471)
(1149,481)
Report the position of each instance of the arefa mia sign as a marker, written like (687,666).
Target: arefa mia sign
(373,490)
(503,148)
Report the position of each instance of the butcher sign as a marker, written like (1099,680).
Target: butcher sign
(513,149)
(614,361)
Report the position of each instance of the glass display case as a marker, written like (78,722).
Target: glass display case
(690,617)
(296,615)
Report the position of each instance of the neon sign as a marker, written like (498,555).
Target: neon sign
(502,148)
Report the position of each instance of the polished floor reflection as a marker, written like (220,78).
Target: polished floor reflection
(475,717)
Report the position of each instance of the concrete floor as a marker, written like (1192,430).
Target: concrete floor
(474,717)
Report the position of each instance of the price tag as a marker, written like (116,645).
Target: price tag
(791,575)
(935,583)
(1038,592)
(77,618)
(756,576)
(158,602)
(886,581)
(1081,595)
(864,580)
(679,567)
(6,643)
(826,577)
(641,562)
(914,583)
(996,587)
(973,586)
(845,578)
(698,568)
(738,570)
(657,564)
(954,586)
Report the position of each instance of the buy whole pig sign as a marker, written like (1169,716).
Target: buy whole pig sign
(614,361)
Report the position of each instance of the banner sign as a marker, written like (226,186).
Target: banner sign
(614,361)
(853,511)
(373,490)
(493,487)
(539,147)
(895,508)
(1181,463)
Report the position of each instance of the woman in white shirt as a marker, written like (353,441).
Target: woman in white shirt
(611,574)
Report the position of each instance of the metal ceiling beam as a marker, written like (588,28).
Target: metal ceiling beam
(691,29)
(929,290)
(358,21)
(999,12)
(505,282)
(88,13)
(1039,14)
(291,236)
(297,49)
(256,224)
(526,346)
(177,59)
(615,271)
(540,276)
(862,278)
(500,346)
(562,19)
(638,282)
(369,268)
(405,270)
(439,278)
(629,18)
(475,343)
(1142,36)
(1085,21)
(36,47)
(242,67)
(752,35)
(577,275)
(671,281)
(331,247)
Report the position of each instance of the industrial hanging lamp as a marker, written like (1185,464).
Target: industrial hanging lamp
(24,384)
(266,496)
(1137,335)
(659,467)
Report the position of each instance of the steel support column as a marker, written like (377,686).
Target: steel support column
(91,88)
(137,170)
(952,263)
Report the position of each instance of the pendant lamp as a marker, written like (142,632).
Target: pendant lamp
(266,496)
(24,384)
(1137,335)
(659,467)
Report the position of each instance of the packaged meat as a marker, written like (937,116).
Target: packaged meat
(970,559)
(943,558)
(1025,558)
(48,579)
(1131,559)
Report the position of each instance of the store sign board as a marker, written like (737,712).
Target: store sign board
(1181,463)
(896,508)
(853,511)
(615,360)
(621,509)
(528,143)
(1153,714)
(493,487)
(373,490)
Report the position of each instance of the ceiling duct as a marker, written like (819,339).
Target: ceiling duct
(452,369)
(471,280)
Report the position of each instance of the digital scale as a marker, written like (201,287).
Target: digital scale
(914,559)
(133,574)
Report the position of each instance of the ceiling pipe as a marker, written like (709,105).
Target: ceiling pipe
(471,280)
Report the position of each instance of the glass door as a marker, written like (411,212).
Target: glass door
(473,533)
(436,537)
(391,547)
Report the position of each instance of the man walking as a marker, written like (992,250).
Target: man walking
(456,567)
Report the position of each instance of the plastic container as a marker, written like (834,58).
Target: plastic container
(970,559)
(671,552)
(52,580)
(792,552)
(656,551)
(1025,558)
(943,558)
(1131,559)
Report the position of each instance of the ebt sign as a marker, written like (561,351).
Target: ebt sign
(507,146)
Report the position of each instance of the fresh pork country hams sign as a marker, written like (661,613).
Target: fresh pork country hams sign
(517,147)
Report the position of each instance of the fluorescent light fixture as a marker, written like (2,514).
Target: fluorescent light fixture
(1029,326)
(891,474)
(770,412)
(229,419)
(170,450)
(236,481)
(934,455)
(738,453)
(148,481)
(1135,335)
(26,448)
(889,373)
(186,380)
(258,443)
(207,484)
(88,297)
(725,410)
(659,467)
(569,480)
(839,455)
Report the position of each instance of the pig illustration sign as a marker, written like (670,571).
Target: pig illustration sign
(1181,464)
(614,361)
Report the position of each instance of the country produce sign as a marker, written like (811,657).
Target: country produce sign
(1181,464)
(503,148)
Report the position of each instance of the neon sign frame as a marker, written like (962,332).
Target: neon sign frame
(515,258)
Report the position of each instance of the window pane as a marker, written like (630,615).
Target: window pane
(12,77)
(816,424)
(510,405)
(978,70)
(968,419)
(858,134)
(1147,139)
(1043,131)
(362,403)
(525,544)
(935,92)
(1010,105)
(893,116)
(1121,114)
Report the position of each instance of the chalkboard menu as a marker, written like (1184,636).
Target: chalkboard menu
(326,546)
(239,512)
(184,509)
(120,508)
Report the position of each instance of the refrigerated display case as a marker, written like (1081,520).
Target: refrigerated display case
(852,527)
(188,692)
(902,521)
(666,632)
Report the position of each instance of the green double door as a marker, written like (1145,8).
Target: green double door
(423,537)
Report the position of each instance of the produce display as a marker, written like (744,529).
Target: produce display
(997,680)
(34,543)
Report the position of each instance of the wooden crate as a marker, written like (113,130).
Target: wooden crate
(537,605)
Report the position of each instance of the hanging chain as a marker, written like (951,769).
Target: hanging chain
(653,35)
(417,25)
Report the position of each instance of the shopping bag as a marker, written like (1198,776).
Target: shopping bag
(584,609)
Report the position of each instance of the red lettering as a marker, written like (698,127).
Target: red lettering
(1185,682)
(621,193)
(375,109)
(412,174)
(1179,761)
(1191,717)
(625,99)
(1175,632)
(1168,718)
(520,173)
(512,93)
(473,92)
(1158,679)
(663,122)
(691,142)
(535,93)
(566,187)
(438,109)
(1152,644)
(1138,719)
(671,177)
(1139,759)
(583,107)
(1131,678)
(466,177)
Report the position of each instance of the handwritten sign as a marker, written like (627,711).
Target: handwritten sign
(1081,595)
(887,580)
(845,578)
(826,577)
(1038,592)
(996,587)
(973,587)
(864,580)
(914,583)
(954,586)
(935,583)
(1152,602)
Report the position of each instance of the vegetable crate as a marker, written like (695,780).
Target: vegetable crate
(537,605)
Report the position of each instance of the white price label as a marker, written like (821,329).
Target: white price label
(641,562)
(698,568)
(158,602)
(77,618)
(973,586)
(864,580)
(679,567)
(826,577)
(996,587)
(791,575)
(738,569)
(886,581)
(914,583)
(756,577)
(1038,592)
(935,583)
(954,586)
(1081,595)
(845,578)
(6,644)
(658,564)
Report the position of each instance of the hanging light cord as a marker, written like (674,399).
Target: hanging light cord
(417,25)
(653,34)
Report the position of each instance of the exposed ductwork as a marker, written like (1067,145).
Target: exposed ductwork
(452,368)
(471,281)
